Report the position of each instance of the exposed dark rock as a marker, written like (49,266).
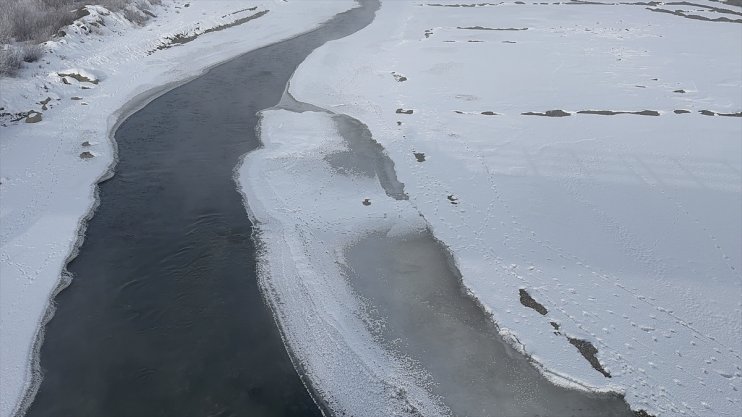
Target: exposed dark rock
(589,352)
(78,77)
(33,117)
(529,302)
(548,113)
(399,77)
(647,113)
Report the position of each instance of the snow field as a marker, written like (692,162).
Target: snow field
(625,227)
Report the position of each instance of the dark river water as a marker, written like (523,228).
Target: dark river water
(164,316)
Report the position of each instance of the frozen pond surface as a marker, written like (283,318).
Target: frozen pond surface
(164,315)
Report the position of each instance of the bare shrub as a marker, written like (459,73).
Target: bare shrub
(143,5)
(35,21)
(38,20)
(10,62)
(135,16)
(114,5)
(32,53)
(32,20)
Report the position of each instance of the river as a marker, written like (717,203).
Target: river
(163,315)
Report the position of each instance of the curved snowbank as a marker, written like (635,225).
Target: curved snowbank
(624,227)
(306,212)
(48,169)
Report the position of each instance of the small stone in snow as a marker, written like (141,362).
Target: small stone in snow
(33,118)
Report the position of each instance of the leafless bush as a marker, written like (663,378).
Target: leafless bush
(143,5)
(10,62)
(38,20)
(25,23)
(135,16)
(113,5)
(32,53)
(32,20)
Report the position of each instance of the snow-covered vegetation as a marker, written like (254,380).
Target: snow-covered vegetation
(26,24)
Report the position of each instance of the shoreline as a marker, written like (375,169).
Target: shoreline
(15,398)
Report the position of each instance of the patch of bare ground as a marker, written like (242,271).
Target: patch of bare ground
(613,113)
(529,302)
(183,38)
(548,113)
(589,352)
(713,113)
(487,28)
(722,19)
(44,103)
(33,117)
(249,9)
(78,77)
(399,77)
(462,5)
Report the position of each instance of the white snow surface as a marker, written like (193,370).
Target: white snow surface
(46,188)
(626,227)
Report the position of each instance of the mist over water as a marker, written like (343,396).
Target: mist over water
(164,316)
(428,317)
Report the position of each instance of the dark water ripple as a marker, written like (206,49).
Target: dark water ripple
(164,316)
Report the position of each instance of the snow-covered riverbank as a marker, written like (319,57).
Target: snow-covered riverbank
(581,161)
(102,70)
